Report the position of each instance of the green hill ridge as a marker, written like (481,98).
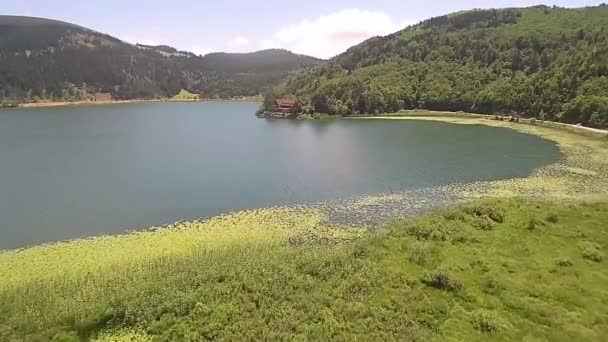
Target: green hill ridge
(48,60)
(543,62)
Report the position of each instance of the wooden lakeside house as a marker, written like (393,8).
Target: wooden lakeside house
(282,108)
(286,105)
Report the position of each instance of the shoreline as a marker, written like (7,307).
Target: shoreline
(79,103)
(422,115)
(429,115)
(114,102)
(545,225)
(581,174)
(493,252)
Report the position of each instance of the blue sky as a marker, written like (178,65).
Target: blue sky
(316,27)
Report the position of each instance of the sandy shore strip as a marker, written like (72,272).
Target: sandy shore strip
(111,102)
(449,116)
(81,103)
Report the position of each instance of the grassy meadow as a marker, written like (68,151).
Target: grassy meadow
(185,95)
(528,261)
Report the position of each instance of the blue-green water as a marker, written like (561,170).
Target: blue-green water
(80,171)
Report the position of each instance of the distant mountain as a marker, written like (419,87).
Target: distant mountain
(542,62)
(261,61)
(42,59)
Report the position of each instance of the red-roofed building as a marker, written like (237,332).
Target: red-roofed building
(286,105)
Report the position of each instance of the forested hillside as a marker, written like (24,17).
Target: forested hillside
(44,60)
(541,62)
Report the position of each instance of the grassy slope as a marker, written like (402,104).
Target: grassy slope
(509,268)
(512,268)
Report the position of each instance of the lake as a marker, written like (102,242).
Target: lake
(70,172)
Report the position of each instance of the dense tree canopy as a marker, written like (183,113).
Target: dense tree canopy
(43,59)
(547,63)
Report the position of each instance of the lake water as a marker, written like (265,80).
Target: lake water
(79,171)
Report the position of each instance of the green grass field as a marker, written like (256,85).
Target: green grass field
(526,262)
(511,269)
(185,95)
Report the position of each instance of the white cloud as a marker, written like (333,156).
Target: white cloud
(238,43)
(334,33)
(266,44)
(152,35)
(141,40)
(325,36)
(149,41)
(196,49)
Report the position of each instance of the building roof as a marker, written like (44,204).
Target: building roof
(286,102)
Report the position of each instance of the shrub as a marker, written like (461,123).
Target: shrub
(95,322)
(486,321)
(497,215)
(490,211)
(483,223)
(480,265)
(491,285)
(65,337)
(463,237)
(425,231)
(593,254)
(360,251)
(441,279)
(591,251)
(534,224)
(420,253)
(484,216)
(439,235)
(552,218)
(420,232)
(455,215)
(9,104)
(589,244)
(563,262)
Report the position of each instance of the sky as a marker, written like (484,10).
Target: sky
(320,28)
